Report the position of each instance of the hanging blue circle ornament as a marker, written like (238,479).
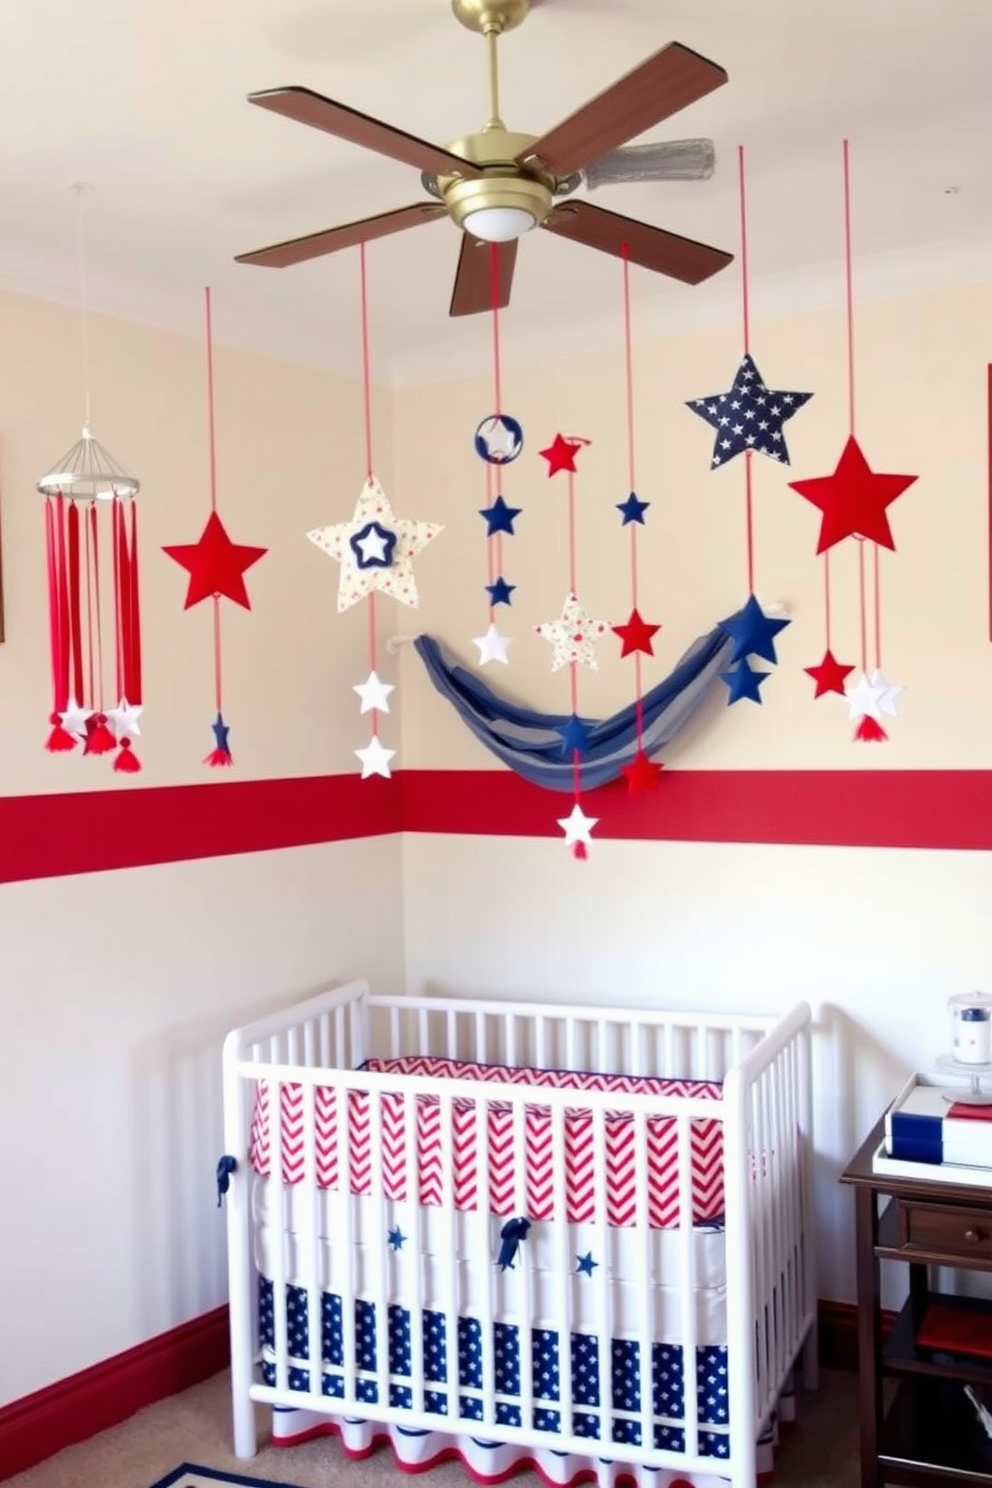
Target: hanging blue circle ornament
(499,439)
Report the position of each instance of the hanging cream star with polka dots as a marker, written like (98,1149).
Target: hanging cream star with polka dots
(375,549)
(573,635)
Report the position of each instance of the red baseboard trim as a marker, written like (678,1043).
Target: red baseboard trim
(95,831)
(76,1408)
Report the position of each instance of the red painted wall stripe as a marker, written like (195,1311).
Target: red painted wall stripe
(92,831)
(849,808)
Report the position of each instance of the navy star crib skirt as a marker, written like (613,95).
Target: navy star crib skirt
(574,1238)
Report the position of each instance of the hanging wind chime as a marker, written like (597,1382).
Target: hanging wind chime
(573,637)
(499,440)
(749,419)
(853,503)
(635,634)
(375,550)
(216,566)
(91,543)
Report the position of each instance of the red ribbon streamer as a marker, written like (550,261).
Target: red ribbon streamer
(369,457)
(97,699)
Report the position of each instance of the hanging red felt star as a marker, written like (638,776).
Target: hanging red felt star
(560,454)
(828,675)
(642,773)
(636,635)
(215,565)
(854,499)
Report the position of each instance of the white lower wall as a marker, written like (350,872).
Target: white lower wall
(875,940)
(116,991)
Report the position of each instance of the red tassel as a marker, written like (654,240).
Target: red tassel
(60,738)
(219,757)
(580,851)
(127,761)
(99,739)
(869,731)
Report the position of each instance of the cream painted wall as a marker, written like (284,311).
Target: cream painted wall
(117,991)
(875,940)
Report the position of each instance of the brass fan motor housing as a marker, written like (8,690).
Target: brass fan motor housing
(491,15)
(503,183)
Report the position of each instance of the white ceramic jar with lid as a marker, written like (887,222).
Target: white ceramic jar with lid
(971,1027)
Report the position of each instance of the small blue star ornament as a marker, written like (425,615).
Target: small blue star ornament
(632,510)
(744,682)
(221,752)
(574,735)
(499,517)
(499,439)
(748,417)
(753,632)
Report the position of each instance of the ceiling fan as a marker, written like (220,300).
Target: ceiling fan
(497,184)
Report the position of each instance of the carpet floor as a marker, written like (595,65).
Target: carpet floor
(821,1451)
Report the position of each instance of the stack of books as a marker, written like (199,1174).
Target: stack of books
(929,1134)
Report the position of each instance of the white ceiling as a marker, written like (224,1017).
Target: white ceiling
(146,101)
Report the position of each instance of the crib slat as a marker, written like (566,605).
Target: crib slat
(413,1266)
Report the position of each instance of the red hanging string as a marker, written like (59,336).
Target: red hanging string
(127,761)
(494,288)
(59,740)
(211,434)
(88,570)
(97,701)
(877,586)
(491,569)
(632,479)
(863,605)
(133,679)
(849,278)
(99,739)
(218,674)
(369,456)
(75,612)
(826,594)
(366,365)
(115,547)
(572,581)
(746,316)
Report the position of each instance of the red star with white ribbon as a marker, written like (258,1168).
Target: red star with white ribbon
(828,675)
(216,566)
(854,499)
(636,635)
(560,453)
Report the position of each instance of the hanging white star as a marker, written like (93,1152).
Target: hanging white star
(577,826)
(864,699)
(573,635)
(375,759)
(888,692)
(374,694)
(74,719)
(375,549)
(124,720)
(493,646)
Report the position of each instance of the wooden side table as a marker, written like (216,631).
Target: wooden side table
(920,1429)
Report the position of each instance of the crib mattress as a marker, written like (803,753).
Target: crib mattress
(505,1191)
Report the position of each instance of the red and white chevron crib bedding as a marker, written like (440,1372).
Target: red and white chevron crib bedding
(706,1144)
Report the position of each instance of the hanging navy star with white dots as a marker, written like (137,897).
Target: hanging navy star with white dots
(749,417)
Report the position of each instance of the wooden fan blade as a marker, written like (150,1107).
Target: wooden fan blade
(473,291)
(315,245)
(667,82)
(307,107)
(651,247)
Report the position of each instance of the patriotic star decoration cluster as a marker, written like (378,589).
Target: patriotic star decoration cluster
(752,633)
(749,416)
(498,440)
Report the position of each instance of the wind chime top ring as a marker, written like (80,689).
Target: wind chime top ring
(90,472)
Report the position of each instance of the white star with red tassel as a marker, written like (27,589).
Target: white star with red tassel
(578,830)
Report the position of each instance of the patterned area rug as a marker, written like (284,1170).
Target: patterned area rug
(191,1476)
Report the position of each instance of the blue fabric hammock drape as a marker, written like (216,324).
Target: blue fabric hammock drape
(529,743)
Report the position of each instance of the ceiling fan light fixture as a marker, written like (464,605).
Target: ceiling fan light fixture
(499,224)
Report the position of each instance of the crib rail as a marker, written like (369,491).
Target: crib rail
(524,1354)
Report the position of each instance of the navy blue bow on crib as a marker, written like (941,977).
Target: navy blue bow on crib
(512,1233)
(225,1168)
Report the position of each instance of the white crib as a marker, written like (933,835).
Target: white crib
(442,1242)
